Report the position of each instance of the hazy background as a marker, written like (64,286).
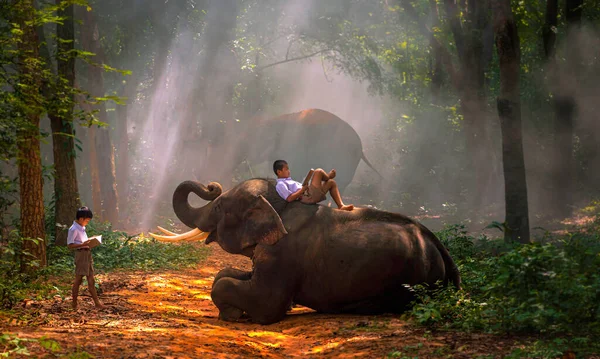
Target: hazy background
(202,69)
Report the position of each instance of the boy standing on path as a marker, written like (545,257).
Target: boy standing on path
(77,239)
(320,184)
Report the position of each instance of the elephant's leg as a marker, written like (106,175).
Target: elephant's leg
(232,273)
(264,304)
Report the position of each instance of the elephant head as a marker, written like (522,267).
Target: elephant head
(238,219)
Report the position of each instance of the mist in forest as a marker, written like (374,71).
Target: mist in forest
(308,84)
(184,121)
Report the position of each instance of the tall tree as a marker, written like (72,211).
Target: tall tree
(470,38)
(212,91)
(66,191)
(561,80)
(28,159)
(509,111)
(472,32)
(566,107)
(100,138)
(436,56)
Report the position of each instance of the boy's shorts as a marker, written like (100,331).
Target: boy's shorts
(313,195)
(84,264)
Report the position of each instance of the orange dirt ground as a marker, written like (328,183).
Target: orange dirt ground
(170,315)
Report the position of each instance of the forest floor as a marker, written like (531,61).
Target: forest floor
(169,314)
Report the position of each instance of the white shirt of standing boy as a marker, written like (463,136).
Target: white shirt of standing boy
(77,234)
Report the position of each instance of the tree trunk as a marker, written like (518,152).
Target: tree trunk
(122,160)
(109,209)
(566,110)
(436,55)
(470,38)
(28,158)
(88,176)
(548,32)
(509,111)
(553,199)
(562,169)
(66,191)
(210,88)
(94,170)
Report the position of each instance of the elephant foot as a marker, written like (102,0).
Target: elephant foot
(232,273)
(230,314)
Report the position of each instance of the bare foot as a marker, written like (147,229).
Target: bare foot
(347,207)
(74,306)
(100,306)
(331,174)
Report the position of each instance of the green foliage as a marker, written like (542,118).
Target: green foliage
(407,352)
(8,196)
(12,281)
(552,289)
(455,238)
(118,250)
(15,346)
(80,355)
(554,348)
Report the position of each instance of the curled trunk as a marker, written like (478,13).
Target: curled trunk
(188,214)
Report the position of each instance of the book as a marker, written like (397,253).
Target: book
(308,177)
(95,241)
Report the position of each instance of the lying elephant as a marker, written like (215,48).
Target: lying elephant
(308,139)
(329,260)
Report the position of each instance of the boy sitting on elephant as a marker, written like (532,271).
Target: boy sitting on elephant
(320,184)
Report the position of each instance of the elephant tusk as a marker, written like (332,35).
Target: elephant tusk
(160,238)
(199,237)
(166,231)
(178,237)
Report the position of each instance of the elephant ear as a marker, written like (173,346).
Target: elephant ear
(263,223)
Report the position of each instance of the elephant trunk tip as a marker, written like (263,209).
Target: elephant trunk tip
(188,214)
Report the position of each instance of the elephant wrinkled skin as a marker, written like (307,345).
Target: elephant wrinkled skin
(329,260)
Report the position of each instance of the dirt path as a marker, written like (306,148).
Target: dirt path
(170,315)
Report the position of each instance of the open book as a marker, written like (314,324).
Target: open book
(308,177)
(95,241)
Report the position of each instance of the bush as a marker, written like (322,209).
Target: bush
(118,250)
(550,289)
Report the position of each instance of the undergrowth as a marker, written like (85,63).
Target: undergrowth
(550,291)
(118,251)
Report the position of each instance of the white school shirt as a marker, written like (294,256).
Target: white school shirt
(76,234)
(286,186)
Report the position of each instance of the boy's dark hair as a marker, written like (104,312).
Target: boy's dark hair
(84,212)
(278,165)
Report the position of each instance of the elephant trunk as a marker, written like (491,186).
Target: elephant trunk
(187,214)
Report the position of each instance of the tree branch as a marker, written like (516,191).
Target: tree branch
(287,53)
(291,60)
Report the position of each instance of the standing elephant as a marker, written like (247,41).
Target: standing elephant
(329,260)
(308,139)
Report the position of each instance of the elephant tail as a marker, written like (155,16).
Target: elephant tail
(364,158)
(451,269)
(452,273)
